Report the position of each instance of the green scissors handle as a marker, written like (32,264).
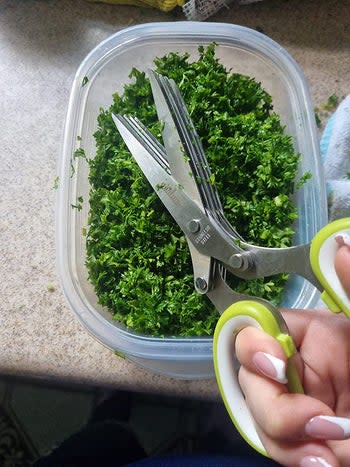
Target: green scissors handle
(322,257)
(264,316)
(238,316)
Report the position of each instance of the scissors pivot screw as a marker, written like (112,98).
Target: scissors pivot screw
(201,284)
(240,261)
(193,226)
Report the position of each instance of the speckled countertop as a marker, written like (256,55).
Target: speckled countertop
(41,46)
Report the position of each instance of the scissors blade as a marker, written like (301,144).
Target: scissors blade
(202,230)
(186,155)
(176,153)
(181,170)
(151,158)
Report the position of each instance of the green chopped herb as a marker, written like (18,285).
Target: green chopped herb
(72,169)
(137,257)
(56,182)
(85,81)
(211,179)
(318,119)
(303,179)
(79,204)
(332,102)
(324,110)
(80,152)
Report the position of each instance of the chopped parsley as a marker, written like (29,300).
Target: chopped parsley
(56,182)
(79,203)
(137,257)
(325,109)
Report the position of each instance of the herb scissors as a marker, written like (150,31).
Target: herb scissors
(180,175)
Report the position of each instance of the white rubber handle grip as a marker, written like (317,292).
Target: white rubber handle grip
(233,320)
(322,257)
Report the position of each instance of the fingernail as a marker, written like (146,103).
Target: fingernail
(343,239)
(312,461)
(325,427)
(271,366)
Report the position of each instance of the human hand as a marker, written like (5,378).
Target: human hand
(295,428)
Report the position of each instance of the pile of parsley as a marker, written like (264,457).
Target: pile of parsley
(137,257)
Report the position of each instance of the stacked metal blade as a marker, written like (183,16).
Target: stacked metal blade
(195,153)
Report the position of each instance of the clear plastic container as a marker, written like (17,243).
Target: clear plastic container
(104,71)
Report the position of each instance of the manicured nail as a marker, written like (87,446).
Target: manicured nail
(311,461)
(270,366)
(343,239)
(325,427)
